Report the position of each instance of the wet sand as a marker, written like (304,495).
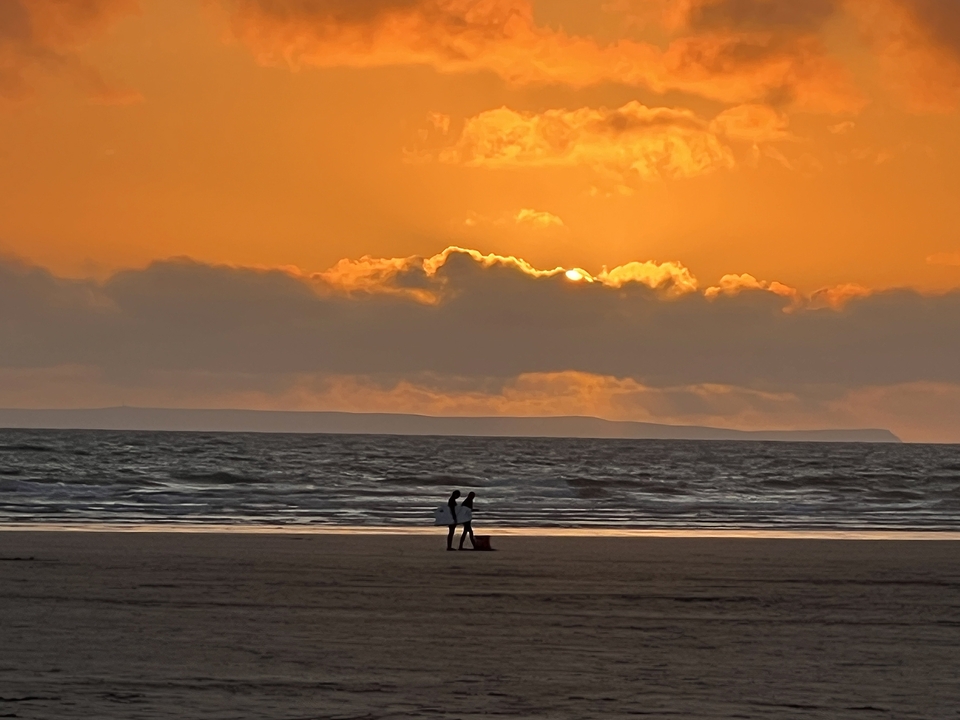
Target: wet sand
(144,625)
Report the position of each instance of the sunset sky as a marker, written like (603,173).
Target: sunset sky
(732,212)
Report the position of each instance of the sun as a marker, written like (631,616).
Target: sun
(574,275)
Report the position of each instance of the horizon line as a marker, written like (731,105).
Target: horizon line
(482,425)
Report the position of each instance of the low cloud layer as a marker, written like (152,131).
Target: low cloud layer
(466,314)
(920,412)
(461,323)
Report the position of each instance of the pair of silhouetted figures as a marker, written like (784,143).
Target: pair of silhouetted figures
(467,523)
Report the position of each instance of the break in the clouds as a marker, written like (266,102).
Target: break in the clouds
(458,324)
(40,37)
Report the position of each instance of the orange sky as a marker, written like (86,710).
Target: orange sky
(811,144)
(235,134)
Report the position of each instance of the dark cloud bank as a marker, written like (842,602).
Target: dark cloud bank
(489,322)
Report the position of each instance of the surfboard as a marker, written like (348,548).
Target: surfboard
(443,516)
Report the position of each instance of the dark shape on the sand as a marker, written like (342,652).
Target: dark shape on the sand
(132,418)
(482,542)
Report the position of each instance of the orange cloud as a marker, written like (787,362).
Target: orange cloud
(432,264)
(832,297)
(917,412)
(413,277)
(42,36)
(838,296)
(417,278)
(779,41)
(842,128)
(374,275)
(532,394)
(522,219)
(753,123)
(755,66)
(735,284)
(781,16)
(502,36)
(672,276)
(501,334)
(538,218)
(917,43)
(632,141)
(421,279)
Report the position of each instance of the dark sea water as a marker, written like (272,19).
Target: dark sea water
(64,477)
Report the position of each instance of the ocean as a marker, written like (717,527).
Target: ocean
(328,481)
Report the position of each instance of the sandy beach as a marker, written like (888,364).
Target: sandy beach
(143,625)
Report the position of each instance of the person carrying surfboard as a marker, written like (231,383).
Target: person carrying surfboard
(452,529)
(468,525)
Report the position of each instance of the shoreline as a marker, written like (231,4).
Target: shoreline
(548,532)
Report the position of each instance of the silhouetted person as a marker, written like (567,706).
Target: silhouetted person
(468,525)
(452,529)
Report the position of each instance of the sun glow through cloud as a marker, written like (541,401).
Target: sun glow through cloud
(464,329)
(417,277)
(636,166)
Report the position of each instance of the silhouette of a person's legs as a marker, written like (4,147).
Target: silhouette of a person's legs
(452,531)
(467,528)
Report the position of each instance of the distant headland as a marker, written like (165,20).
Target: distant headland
(277,421)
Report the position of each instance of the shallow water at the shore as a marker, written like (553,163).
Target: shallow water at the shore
(221,479)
